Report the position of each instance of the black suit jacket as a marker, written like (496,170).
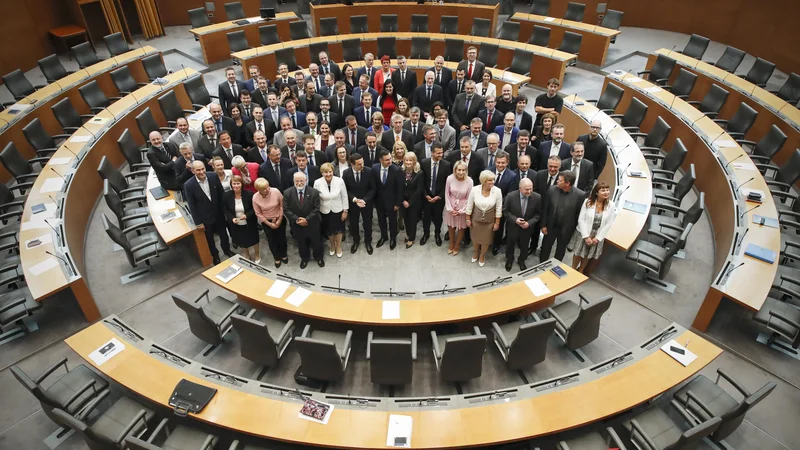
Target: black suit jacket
(417,137)
(226,97)
(313,175)
(182,173)
(361,136)
(474,168)
(569,220)
(451,91)
(330,151)
(404,88)
(364,151)
(361,115)
(230,126)
(373,71)
(334,69)
(268,127)
(468,133)
(387,140)
(513,157)
(390,194)
(459,115)
(585,180)
(237,150)
(529,174)
(254,155)
(477,70)
(413,190)
(543,152)
(419,149)
(261,99)
(526,123)
(229,207)
(205,147)
(309,209)
(349,106)
(421,99)
(447,75)
(164,166)
(365,190)
(445,169)
(266,171)
(333,122)
(512,210)
(310,106)
(497,119)
(290,81)
(509,182)
(540,182)
(204,210)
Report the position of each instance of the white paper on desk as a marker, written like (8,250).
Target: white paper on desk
(164,205)
(278,288)
(43,239)
(684,359)
(633,79)
(171,215)
(653,89)
(52,185)
(17,108)
(106,351)
(549,19)
(79,139)
(537,286)
(44,266)
(399,433)
(255,19)
(744,166)
(39,223)
(59,161)
(298,297)
(390,310)
(726,144)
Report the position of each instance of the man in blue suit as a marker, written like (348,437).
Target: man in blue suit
(507,180)
(508,131)
(298,118)
(555,147)
(252,83)
(362,88)
(364,113)
(203,193)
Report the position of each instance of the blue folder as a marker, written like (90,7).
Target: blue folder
(760,253)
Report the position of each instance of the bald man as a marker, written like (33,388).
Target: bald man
(162,156)
(521,209)
(426,95)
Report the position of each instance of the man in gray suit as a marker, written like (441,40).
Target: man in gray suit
(477,138)
(465,107)
(184,134)
(560,215)
(445,133)
(580,166)
(521,209)
(302,212)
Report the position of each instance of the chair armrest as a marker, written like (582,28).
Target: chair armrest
(143,244)
(651,255)
(167,129)
(132,189)
(39,160)
(476,331)
(141,416)
(227,315)
(13,303)
(643,72)
(655,156)
(96,109)
(682,411)
(636,428)
(711,114)
(89,384)
(49,371)
(656,170)
(87,117)
(650,149)
(202,294)
(735,134)
(139,226)
(197,106)
(637,135)
(436,352)
(27,176)
(672,227)
(630,128)
(661,235)
(616,116)
(369,344)
(785,319)
(583,299)
(499,336)
(558,318)
(750,143)
(136,173)
(92,405)
(661,81)
(778,184)
(286,331)
(5,216)
(615,438)
(721,122)
(607,111)
(723,374)
(306,331)
(693,102)
(591,101)
(659,180)
(784,196)
(135,216)
(161,426)
(414,346)
(706,410)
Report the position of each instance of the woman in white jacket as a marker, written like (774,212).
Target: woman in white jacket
(333,206)
(594,221)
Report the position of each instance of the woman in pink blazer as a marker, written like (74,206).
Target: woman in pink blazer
(248,172)
(384,74)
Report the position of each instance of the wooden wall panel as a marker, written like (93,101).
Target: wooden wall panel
(23,29)
(174,12)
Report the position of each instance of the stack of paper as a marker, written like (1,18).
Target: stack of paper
(399,433)
(537,286)
(298,297)
(52,185)
(278,288)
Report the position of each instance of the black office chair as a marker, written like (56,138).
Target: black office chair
(480,27)
(761,152)
(781,316)
(523,343)
(52,68)
(132,153)
(781,179)
(683,85)
(314,50)
(593,440)
(198,93)
(540,36)
(459,357)
(609,99)
(147,124)
(571,44)
(286,56)
(521,62)
(575,12)
(234,11)
(420,48)
(730,59)
(540,7)
(324,354)
(359,24)
(124,81)
(790,91)
(656,258)
(351,49)
(760,73)
(633,116)
(127,190)
(298,30)
(454,49)
(387,46)
(237,42)
(657,429)
(134,218)
(270,4)
(661,70)
(487,54)
(66,115)
(665,166)
(740,123)
(696,47)
(41,140)
(18,85)
(612,20)
(449,25)
(209,321)
(388,23)
(180,438)
(94,97)
(328,26)
(391,360)
(263,340)
(24,171)
(116,44)
(85,55)
(154,67)
(673,192)
(655,138)
(712,102)
(419,23)
(670,229)
(509,31)
(198,17)
(268,34)
(172,108)
(578,325)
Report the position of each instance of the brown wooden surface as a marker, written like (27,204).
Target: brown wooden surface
(174,12)
(24,26)
(214,38)
(594,42)
(559,7)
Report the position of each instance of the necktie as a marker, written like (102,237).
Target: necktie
(325,70)
(258,125)
(213,143)
(219,126)
(371,155)
(524,203)
(275,116)
(383,176)
(414,130)
(300,193)
(459,86)
(523,175)
(499,177)
(429,92)
(294,121)
(488,120)
(234,90)
(229,152)
(341,106)
(440,134)
(277,170)
(366,115)
(439,77)
(164,150)
(433,177)
(247,111)
(316,80)
(464,159)
(403,77)
(358,177)
(550,180)
(311,159)
(491,159)
(353,138)
(469,100)
(264,154)
(469,73)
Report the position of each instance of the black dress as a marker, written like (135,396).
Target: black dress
(412,193)
(242,235)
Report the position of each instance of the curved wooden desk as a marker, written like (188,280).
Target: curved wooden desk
(214,38)
(11,123)
(730,214)
(466,14)
(547,63)
(594,42)
(267,411)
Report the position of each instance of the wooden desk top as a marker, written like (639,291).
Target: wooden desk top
(749,284)
(472,424)
(230,25)
(578,27)
(390,5)
(67,31)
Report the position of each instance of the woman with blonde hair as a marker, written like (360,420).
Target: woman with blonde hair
(484,210)
(248,171)
(222,173)
(399,152)
(333,206)
(378,126)
(268,206)
(237,204)
(595,219)
(456,193)
(413,189)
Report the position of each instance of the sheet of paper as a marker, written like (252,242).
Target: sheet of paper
(549,19)
(684,359)
(17,108)
(58,161)
(164,205)
(726,144)
(106,351)
(653,89)
(633,79)
(43,239)
(44,266)
(52,185)
(744,166)
(78,139)
(255,19)
(391,310)
(399,432)
(278,288)
(176,214)
(298,297)
(537,286)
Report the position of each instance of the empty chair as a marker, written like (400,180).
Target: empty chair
(571,44)
(132,153)
(521,62)
(119,182)
(172,109)
(781,316)
(124,81)
(760,73)
(633,117)
(509,31)
(655,138)
(730,59)
(262,341)
(741,121)
(116,44)
(328,26)
(683,85)
(419,23)
(209,321)
(234,11)
(783,177)
(298,30)
(314,50)
(138,249)
(575,11)
(540,36)
(656,429)
(52,69)
(661,70)
(324,354)
(351,49)
(147,124)
(578,324)
(487,54)
(18,85)
(656,258)
(454,49)
(85,55)
(197,92)
(712,102)
(108,430)
(270,4)
(593,440)
(609,99)
(129,219)
(94,97)
(761,152)
(16,304)
(540,7)
(481,27)
(359,24)
(9,202)
(23,171)
(388,23)
(459,357)
(179,438)
(449,25)
(696,47)
(420,48)
(154,67)
(198,17)
(387,46)
(670,229)
(612,19)
(268,34)
(665,166)
(286,56)
(674,191)
(237,41)
(523,344)
(790,91)
(391,360)
(41,140)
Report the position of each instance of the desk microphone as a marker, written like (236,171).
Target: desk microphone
(626,167)
(626,74)
(64,260)
(754,89)
(135,99)
(59,175)
(575,97)
(672,49)
(605,138)
(620,152)
(58,84)
(731,271)
(745,213)
(672,102)
(740,185)
(734,159)
(5,121)
(54,231)
(695,121)
(711,144)
(68,149)
(594,116)
(739,242)
(115,61)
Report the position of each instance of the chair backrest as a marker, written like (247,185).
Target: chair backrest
(449,25)
(575,11)
(391,362)
(170,107)
(234,11)
(658,134)
(256,343)
(487,54)
(420,48)
(37,136)
(730,59)
(298,30)
(123,79)
(129,148)
(198,17)
(734,417)
(761,72)
(18,84)
(93,95)
(685,184)
(571,43)
(662,69)
(586,327)
(387,46)
(14,162)
(351,49)
(314,50)
(286,56)
(66,115)
(200,324)
(359,24)
(419,23)
(116,44)
(196,91)
(154,65)
(113,201)
(115,178)
(675,157)
(743,119)
(540,36)
(237,41)
(684,83)
(480,27)
(462,358)
(119,238)
(696,47)
(790,91)
(268,34)
(84,54)
(146,123)
(530,346)
(319,359)
(521,62)
(692,437)
(610,97)
(388,23)
(771,143)
(328,26)
(509,31)
(454,49)
(612,19)
(32,386)
(714,100)
(789,171)
(270,4)
(540,7)
(52,68)
(635,113)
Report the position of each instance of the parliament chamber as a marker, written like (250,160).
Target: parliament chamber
(146,145)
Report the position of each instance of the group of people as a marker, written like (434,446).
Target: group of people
(478,164)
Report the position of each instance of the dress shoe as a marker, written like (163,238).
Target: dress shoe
(509,265)
(423,240)
(216,260)
(522,266)
(447,236)
(368,246)
(277,264)
(229,253)
(495,251)
(332,252)
(285,260)
(481,263)
(303,264)
(438,240)
(381,241)
(354,247)
(392,244)
(321,263)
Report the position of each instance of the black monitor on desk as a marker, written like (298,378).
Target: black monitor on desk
(267,13)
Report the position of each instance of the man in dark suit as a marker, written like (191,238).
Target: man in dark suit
(414,125)
(519,148)
(562,204)
(326,66)
(227,149)
(298,118)
(312,173)
(521,210)
(362,88)
(522,119)
(490,116)
(301,208)
(523,169)
(261,92)
(424,148)
(310,101)
(581,167)
(203,193)
(289,151)
(441,74)
(162,156)
(326,115)
(259,123)
(370,151)
(360,184)
(390,137)
(184,164)
(273,111)
(404,79)
(595,147)
(389,183)
(507,132)
(246,105)
(426,95)
(474,162)
(221,122)
(341,103)
(260,151)
(369,69)
(472,67)
(506,180)
(353,133)
(339,142)
(435,171)
(208,141)
(556,147)
(229,90)
(252,83)
(316,158)
(312,125)
(465,107)
(453,88)
(276,169)
(283,77)
(477,138)
(317,79)
(364,113)
(543,181)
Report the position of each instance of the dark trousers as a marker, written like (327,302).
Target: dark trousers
(555,233)
(432,212)
(221,229)
(498,235)
(277,240)
(535,235)
(365,214)
(387,213)
(309,239)
(411,218)
(518,238)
